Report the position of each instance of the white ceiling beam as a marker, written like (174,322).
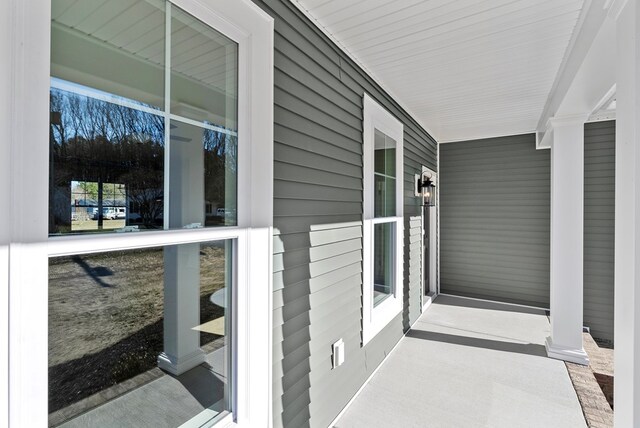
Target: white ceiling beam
(588,27)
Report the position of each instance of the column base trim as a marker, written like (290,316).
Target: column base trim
(578,356)
(178,366)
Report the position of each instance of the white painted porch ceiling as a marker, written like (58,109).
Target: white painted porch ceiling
(465,69)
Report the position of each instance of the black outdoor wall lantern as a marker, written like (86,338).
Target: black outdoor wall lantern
(427,188)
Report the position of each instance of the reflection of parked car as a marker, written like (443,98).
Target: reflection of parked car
(110,213)
(230,213)
(120,214)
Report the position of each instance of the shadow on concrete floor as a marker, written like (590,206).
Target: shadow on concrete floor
(450,300)
(497,345)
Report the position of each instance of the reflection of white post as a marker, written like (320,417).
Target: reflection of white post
(181,309)
(627,236)
(567,188)
(186,185)
(182,263)
(229,260)
(231,123)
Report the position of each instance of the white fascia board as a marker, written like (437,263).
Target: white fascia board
(596,76)
(544,140)
(589,23)
(601,111)
(486,135)
(615,7)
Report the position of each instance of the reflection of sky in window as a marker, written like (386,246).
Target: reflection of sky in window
(89,118)
(89,113)
(76,88)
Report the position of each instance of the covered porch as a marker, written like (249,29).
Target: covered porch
(469,362)
(473,71)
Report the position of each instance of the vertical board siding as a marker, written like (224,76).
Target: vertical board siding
(317,257)
(599,219)
(495,217)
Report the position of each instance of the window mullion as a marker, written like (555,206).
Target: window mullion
(379,220)
(390,177)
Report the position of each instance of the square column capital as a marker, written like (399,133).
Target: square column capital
(568,120)
(565,123)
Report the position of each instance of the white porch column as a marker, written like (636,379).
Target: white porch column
(182,263)
(181,309)
(567,208)
(627,238)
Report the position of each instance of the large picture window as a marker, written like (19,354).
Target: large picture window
(143,136)
(382,287)
(141,271)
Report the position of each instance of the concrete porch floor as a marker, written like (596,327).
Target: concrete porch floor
(469,363)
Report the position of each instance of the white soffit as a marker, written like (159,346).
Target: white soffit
(466,69)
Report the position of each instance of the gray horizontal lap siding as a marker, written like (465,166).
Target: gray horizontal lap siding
(599,230)
(317,258)
(494,211)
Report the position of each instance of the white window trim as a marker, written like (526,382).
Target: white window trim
(375,319)
(28,247)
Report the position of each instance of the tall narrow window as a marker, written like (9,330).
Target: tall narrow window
(382,288)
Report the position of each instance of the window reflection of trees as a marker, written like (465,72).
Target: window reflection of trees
(96,141)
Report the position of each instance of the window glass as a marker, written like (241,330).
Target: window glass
(104,157)
(140,337)
(112,127)
(114,46)
(384,175)
(383,261)
(204,67)
(202,176)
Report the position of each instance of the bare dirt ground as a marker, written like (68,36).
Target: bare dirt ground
(80,225)
(106,316)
